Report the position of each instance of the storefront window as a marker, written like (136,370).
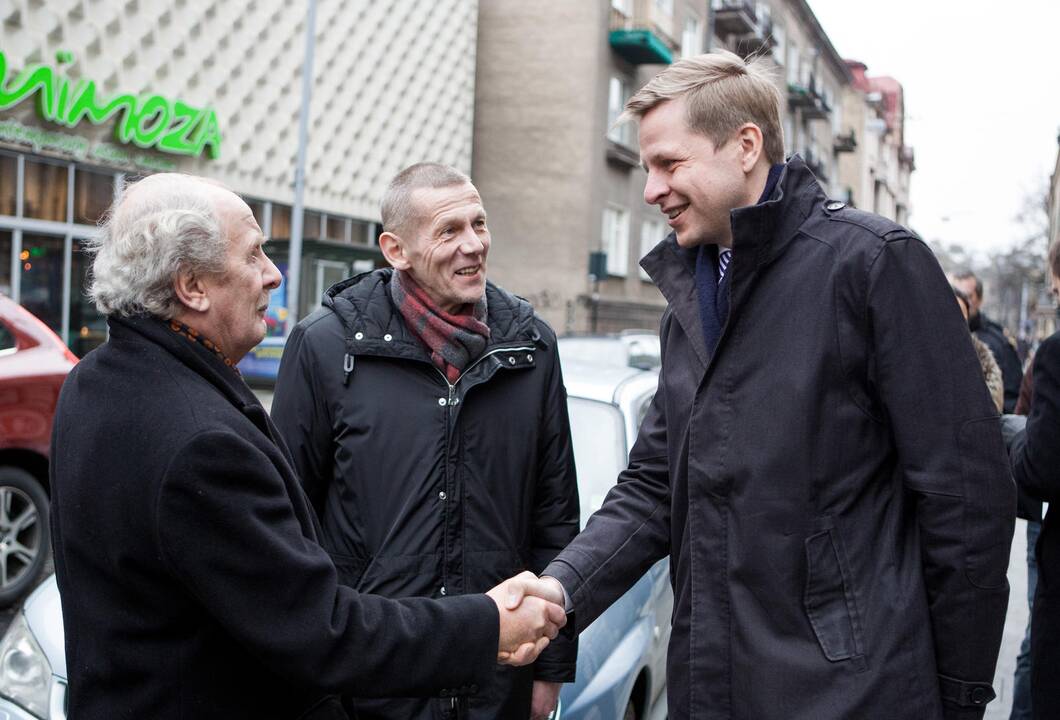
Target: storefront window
(281,222)
(88,329)
(42,277)
(93,194)
(311,228)
(8,184)
(5,262)
(45,191)
(336,228)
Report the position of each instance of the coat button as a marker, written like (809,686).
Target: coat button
(511,359)
(979,696)
(442,401)
(388,337)
(358,336)
(442,590)
(442,495)
(835,205)
(529,358)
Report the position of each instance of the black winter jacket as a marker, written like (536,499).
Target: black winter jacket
(192,584)
(993,335)
(427,489)
(1036,466)
(831,485)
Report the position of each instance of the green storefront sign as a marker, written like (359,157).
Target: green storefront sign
(148,121)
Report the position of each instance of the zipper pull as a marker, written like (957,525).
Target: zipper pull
(347,366)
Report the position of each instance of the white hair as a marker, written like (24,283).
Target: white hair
(159,226)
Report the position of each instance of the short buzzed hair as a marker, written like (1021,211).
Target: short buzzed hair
(397,208)
(722,92)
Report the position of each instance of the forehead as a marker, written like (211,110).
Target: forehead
(433,204)
(236,217)
(664,131)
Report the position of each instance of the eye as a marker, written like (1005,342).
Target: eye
(480,223)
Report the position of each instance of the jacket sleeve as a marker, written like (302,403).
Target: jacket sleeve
(556,512)
(948,440)
(1036,455)
(227,528)
(300,411)
(630,531)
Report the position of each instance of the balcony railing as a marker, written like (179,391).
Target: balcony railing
(641,38)
(809,100)
(734,17)
(845,143)
(759,40)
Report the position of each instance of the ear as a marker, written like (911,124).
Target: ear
(191,291)
(393,248)
(749,141)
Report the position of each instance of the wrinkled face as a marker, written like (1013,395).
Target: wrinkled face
(694,183)
(239,296)
(446,252)
(967,286)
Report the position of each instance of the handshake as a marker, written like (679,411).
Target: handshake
(531,614)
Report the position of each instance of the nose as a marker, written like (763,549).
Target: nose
(655,188)
(473,243)
(271,276)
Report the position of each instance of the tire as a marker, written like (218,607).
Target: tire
(25,533)
(631,711)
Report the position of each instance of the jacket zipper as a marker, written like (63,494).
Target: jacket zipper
(448,443)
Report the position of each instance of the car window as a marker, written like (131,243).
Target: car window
(7,341)
(599,450)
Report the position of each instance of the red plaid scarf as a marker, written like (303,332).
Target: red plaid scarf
(454,341)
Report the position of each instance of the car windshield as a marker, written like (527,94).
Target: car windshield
(599,440)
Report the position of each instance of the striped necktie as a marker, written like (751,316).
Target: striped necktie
(724,258)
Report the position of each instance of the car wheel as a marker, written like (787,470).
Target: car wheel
(631,711)
(25,539)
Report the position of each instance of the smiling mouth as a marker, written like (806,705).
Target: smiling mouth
(469,271)
(674,213)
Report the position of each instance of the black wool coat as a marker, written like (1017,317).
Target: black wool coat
(425,488)
(831,484)
(1036,467)
(186,554)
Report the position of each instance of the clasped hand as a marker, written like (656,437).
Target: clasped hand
(531,614)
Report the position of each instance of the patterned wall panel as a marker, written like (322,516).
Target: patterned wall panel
(393,82)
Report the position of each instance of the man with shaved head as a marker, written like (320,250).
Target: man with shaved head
(452,385)
(185,551)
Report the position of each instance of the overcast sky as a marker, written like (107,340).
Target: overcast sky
(982,102)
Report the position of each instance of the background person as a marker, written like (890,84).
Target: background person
(185,551)
(993,335)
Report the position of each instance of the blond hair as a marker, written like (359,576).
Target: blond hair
(722,93)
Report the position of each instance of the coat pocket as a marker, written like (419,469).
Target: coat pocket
(829,599)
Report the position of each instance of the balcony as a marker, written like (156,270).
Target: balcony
(734,17)
(845,143)
(758,41)
(641,38)
(906,159)
(809,100)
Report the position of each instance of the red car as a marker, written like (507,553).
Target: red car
(33,364)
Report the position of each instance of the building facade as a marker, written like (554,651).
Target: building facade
(94,94)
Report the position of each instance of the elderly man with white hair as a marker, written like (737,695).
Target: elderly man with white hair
(186,553)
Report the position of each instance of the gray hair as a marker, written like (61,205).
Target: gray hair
(159,226)
(397,210)
(722,91)
(965,274)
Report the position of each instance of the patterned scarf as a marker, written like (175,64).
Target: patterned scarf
(453,340)
(192,334)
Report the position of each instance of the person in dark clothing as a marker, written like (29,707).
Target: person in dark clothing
(1035,457)
(454,386)
(186,553)
(993,335)
(822,460)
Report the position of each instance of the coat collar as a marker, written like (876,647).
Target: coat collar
(761,233)
(372,325)
(198,359)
